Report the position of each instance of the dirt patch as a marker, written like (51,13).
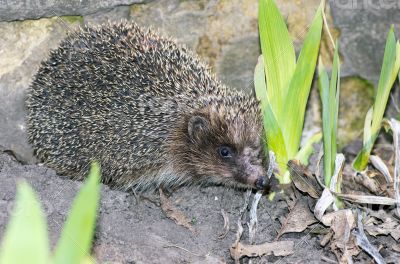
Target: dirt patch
(131,232)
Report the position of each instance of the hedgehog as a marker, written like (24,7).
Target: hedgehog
(147,109)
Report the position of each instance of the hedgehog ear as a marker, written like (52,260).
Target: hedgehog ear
(197,126)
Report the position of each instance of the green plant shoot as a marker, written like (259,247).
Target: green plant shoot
(76,237)
(282,84)
(372,126)
(329,91)
(26,238)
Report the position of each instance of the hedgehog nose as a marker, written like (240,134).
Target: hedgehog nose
(261,183)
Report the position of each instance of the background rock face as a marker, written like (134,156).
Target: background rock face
(364,26)
(26,9)
(223,33)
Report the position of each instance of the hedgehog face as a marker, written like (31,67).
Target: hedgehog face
(226,147)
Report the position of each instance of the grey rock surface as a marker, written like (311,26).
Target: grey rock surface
(364,26)
(30,9)
(23,46)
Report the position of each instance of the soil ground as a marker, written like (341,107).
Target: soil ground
(131,232)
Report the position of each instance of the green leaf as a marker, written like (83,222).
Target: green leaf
(275,139)
(25,239)
(278,51)
(271,126)
(389,72)
(326,120)
(308,149)
(76,237)
(260,85)
(367,126)
(335,93)
(329,91)
(299,87)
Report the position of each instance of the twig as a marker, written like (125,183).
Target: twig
(226,224)
(326,259)
(253,216)
(184,249)
(327,27)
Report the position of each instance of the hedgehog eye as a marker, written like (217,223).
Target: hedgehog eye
(225,152)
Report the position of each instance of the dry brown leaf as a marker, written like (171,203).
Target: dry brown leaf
(173,213)
(362,241)
(325,240)
(342,224)
(322,204)
(395,126)
(298,219)
(375,228)
(380,165)
(278,248)
(367,180)
(367,199)
(329,218)
(303,179)
(342,242)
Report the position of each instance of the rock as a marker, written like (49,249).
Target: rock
(356,97)
(26,9)
(23,46)
(224,33)
(364,26)
(237,62)
(116,14)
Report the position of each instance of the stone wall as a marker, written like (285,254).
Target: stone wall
(224,33)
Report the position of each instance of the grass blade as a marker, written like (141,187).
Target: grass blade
(329,91)
(278,51)
(26,239)
(389,72)
(299,87)
(335,93)
(326,121)
(75,242)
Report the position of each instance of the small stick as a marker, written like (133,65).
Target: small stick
(184,249)
(226,224)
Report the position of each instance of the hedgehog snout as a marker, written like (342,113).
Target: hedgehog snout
(262,183)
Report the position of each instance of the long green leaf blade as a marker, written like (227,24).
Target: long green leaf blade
(390,69)
(299,87)
(271,125)
(389,72)
(278,51)
(329,91)
(26,239)
(76,237)
(324,88)
(260,85)
(275,139)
